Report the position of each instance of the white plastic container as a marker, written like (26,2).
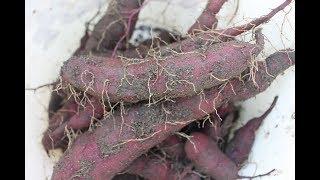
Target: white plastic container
(53,32)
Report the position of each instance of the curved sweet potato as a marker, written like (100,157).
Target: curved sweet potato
(55,137)
(118,21)
(239,147)
(60,117)
(207,19)
(206,156)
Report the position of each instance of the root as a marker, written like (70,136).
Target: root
(260,175)
(222,86)
(207,118)
(110,110)
(188,138)
(150,93)
(71,136)
(203,98)
(219,79)
(199,174)
(122,118)
(234,31)
(41,86)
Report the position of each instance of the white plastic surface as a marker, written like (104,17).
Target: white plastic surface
(53,32)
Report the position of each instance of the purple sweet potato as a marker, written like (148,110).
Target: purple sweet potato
(54,137)
(191,176)
(154,168)
(151,168)
(173,146)
(239,147)
(116,25)
(127,177)
(84,118)
(129,133)
(207,157)
(207,20)
(68,110)
(55,103)
(174,76)
(234,31)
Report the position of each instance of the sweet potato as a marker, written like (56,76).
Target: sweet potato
(55,103)
(61,116)
(175,76)
(173,147)
(55,137)
(191,176)
(118,23)
(206,155)
(234,31)
(127,177)
(129,133)
(239,147)
(154,168)
(151,168)
(207,19)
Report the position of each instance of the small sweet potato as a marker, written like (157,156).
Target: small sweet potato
(191,176)
(206,155)
(151,168)
(239,147)
(234,31)
(129,133)
(154,168)
(55,137)
(207,19)
(55,103)
(173,146)
(118,22)
(60,117)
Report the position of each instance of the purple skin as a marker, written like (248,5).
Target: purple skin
(240,146)
(207,20)
(206,156)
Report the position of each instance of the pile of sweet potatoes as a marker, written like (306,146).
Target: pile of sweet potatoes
(162,109)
